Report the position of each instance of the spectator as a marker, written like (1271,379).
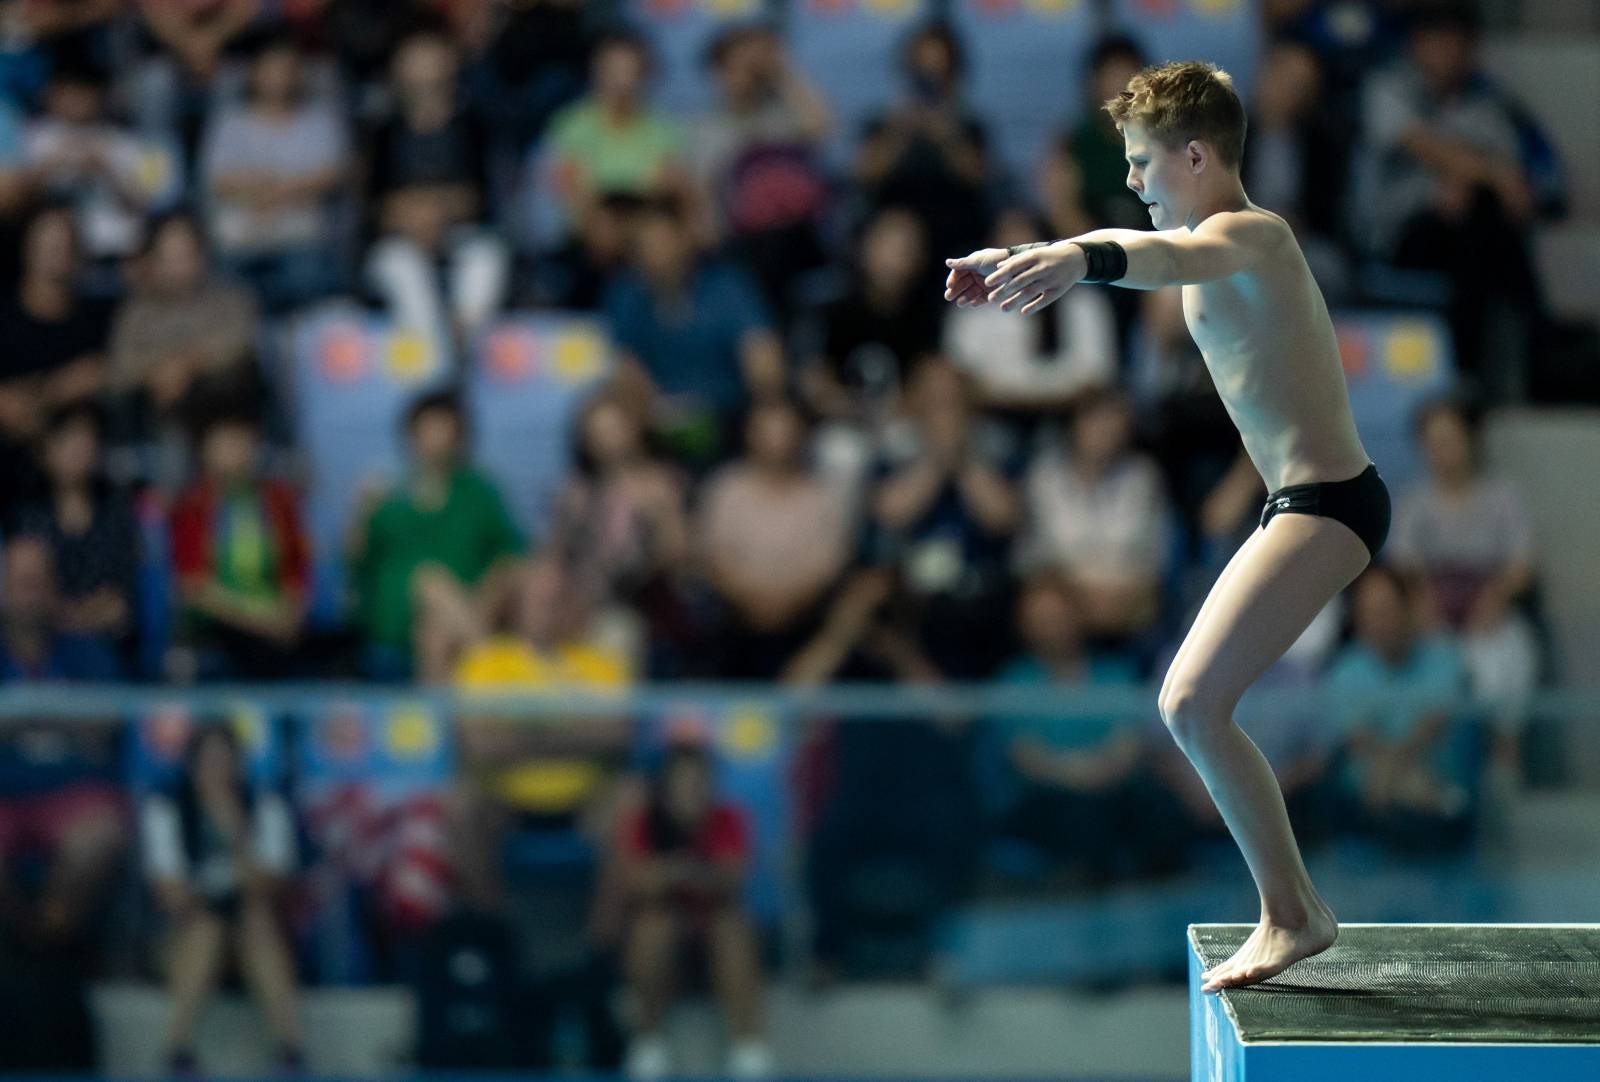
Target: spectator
(1094,146)
(1037,367)
(1464,541)
(1048,776)
(55,346)
(13,172)
(59,781)
(871,340)
(90,529)
(684,857)
(429,188)
(757,154)
(111,177)
(533,61)
(182,324)
(428,556)
(43,34)
(1296,159)
(612,141)
(696,341)
(218,853)
(271,166)
(943,511)
(576,275)
(929,152)
(622,525)
(240,555)
(774,540)
(1409,769)
(174,88)
(554,637)
(1442,187)
(1098,512)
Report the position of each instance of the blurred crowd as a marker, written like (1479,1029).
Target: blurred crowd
(805,467)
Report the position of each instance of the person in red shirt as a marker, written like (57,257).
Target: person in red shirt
(683,859)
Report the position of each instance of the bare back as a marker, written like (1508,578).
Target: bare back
(1269,344)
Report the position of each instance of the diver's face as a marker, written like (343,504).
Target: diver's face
(1158,175)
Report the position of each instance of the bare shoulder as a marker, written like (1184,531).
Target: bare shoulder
(1253,227)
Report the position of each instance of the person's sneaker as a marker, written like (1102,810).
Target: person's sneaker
(750,1059)
(649,1059)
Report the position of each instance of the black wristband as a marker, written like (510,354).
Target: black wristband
(1015,248)
(1106,259)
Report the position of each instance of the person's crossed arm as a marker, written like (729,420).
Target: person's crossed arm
(1036,277)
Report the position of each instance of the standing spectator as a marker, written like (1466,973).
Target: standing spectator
(696,340)
(181,324)
(55,342)
(111,177)
(1442,187)
(943,511)
(622,525)
(612,140)
(437,270)
(757,154)
(930,152)
(1098,512)
(774,540)
(173,89)
(90,529)
(1409,769)
(1049,776)
(1464,542)
(271,167)
(241,556)
(58,780)
(218,853)
(426,556)
(683,862)
(1037,367)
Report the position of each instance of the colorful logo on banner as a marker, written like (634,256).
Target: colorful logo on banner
(748,732)
(1158,9)
(1217,9)
(578,355)
(845,7)
(512,354)
(1354,349)
(671,9)
(412,733)
(1411,351)
(342,734)
(411,357)
(343,353)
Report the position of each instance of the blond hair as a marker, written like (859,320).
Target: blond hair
(1184,100)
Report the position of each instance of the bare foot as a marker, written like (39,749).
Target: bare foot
(1272,948)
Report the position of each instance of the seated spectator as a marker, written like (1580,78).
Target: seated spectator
(1094,149)
(612,140)
(181,324)
(532,60)
(1097,511)
(683,858)
(553,636)
(111,177)
(1295,161)
(1034,367)
(929,152)
(1443,187)
(271,166)
(870,341)
(774,540)
(90,529)
(218,854)
(58,792)
(944,509)
(696,341)
(1050,776)
(576,275)
(757,154)
(55,341)
(621,524)
(240,556)
(434,266)
(426,556)
(1464,541)
(1409,770)
(45,34)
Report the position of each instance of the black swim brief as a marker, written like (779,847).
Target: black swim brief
(1361,503)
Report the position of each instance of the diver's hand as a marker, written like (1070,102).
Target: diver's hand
(965,283)
(1038,277)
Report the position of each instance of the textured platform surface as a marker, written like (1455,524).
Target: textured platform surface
(1500,984)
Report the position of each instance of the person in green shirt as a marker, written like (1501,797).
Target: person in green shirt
(431,556)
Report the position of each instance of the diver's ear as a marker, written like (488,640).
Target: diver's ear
(1197,154)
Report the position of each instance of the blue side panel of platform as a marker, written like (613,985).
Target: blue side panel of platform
(1215,1054)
